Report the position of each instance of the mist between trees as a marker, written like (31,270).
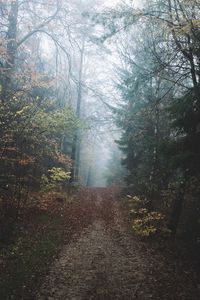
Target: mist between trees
(96,96)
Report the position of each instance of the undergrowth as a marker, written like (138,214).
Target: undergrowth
(144,222)
(50,222)
(27,259)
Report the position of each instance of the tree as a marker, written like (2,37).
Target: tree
(159,85)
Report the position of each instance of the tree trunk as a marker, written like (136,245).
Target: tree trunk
(75,155)
(12,35)
(177,208)
(11,38)
(89,177)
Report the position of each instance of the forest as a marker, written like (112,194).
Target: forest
(99,149)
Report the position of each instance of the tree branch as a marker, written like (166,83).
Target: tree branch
(40,26)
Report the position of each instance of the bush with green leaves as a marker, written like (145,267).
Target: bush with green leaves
(56,178)
(145,222)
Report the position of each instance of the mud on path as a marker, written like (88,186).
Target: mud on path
(105,261)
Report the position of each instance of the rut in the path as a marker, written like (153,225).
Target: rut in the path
(105,262)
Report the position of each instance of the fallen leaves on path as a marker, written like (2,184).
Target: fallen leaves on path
(104,261)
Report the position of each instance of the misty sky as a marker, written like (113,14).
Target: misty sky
(114,2)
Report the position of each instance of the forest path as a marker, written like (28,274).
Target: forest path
(105,261)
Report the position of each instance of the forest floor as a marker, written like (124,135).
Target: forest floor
(103,260)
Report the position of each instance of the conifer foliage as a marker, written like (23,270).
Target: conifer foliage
(160,111)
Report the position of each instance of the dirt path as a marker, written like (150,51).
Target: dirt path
(106,262)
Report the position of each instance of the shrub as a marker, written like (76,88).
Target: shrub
(56,179)
(145,222)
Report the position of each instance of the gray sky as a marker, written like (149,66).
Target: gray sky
(111,3)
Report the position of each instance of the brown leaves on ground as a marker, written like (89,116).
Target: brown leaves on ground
(105,261)
(83,243)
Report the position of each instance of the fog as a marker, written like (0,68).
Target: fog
(97,84)
(65,43)
(98,93)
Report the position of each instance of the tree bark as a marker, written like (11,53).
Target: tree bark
(177,208)
(75,155)
(11,38)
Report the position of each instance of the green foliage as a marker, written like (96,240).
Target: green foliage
(185,147)
(56,178)
(160,111)
(113,21)
(143,121)
(32,133)
(144,222)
